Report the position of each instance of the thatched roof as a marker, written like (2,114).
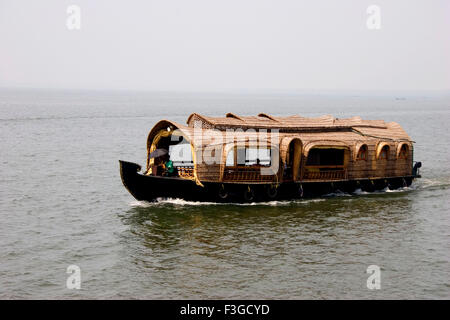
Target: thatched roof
(321,126)
(201,138)
(325,131)
(291,122)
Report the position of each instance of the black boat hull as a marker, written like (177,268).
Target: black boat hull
(150,188)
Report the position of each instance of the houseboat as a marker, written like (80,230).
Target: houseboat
(265,158)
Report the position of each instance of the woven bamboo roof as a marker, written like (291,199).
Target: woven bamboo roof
(263,120)
(322,127)
(348,132)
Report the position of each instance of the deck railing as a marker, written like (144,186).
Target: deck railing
(185,172)
(246,175)
(254,174)
(325,175)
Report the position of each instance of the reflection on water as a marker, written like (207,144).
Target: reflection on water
(233,250)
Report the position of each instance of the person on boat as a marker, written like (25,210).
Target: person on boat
(168,167)
(159,167)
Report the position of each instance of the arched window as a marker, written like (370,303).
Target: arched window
(384,153)
(362,153)
(403,153)
(326,162)
(248,156)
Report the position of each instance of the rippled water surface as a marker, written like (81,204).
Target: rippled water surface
(62,203)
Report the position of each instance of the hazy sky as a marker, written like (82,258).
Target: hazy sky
(210,45)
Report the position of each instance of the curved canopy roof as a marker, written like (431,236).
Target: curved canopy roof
(320,125)
(311,131)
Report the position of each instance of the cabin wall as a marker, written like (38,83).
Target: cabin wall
(356,168)
(404,166)
(207,172)
(386,167)
(376,168)
(360,169)
(207,164)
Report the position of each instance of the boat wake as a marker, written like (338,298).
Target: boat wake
(423,184)
(438,183)
(181,202)
(360,192)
